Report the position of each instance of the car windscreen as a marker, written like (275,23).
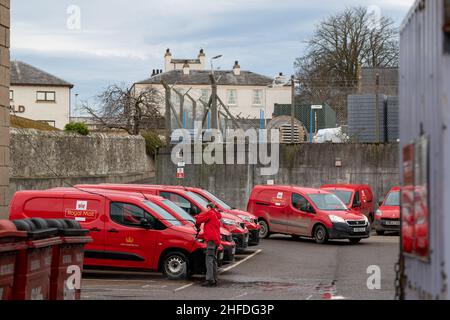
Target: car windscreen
(202,202)
(216,200)
(327,202)
(180,212)
(166,216)
(345,196)
(393,199)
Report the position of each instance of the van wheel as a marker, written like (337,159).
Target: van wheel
(355,240)
(175,266)
(264,232)
(320,234)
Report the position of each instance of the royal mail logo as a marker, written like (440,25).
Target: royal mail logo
(129,240)
(92,214)
(82,205)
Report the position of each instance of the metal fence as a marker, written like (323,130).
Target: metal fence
(368,123)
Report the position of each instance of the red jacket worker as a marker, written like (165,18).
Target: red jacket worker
(211,232)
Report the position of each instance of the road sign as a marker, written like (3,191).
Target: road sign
(180,173)
(317,107)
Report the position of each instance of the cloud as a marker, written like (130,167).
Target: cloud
(124,40)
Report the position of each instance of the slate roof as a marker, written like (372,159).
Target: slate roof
(26,75)
(201,77)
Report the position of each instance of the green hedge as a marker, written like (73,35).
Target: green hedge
(77,127)
(152,142)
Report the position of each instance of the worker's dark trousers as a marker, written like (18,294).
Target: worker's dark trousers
(211,262)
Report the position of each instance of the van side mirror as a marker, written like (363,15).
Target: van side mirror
(307,208)
(380,201)
(146,224)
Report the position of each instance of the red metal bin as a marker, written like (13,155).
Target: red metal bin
(67,263)
(33,265)
(11,241)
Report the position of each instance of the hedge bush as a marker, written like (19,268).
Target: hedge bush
(77,127)
(152,142)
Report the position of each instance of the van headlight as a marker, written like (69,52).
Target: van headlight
(228,222)
(336,219)
(245,218)
(378,213)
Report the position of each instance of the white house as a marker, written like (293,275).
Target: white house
(246,93)
(38,95)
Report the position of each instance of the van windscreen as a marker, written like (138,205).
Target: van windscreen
(393,199)
(183,214)
(327,202)
(166,216)
(345,196)
(197,199)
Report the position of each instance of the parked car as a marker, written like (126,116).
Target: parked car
(387,217)
(305,212)
(251,222)
(189,202)
(128,231)
(357,197)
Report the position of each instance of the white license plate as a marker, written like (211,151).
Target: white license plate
(359,230)
(392,223)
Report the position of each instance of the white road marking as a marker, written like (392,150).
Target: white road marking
(309,297)
(183,287)
(238,263)
(117,280)
(223,270)
(241,295)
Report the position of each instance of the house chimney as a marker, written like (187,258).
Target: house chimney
(202,58)
(237,68)
(281,74)
(168,60)
(186,68)
(153,73)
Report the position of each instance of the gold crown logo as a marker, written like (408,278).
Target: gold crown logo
(129,239)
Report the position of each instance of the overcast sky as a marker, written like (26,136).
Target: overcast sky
(122,41)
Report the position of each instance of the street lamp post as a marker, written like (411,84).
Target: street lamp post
(214,113)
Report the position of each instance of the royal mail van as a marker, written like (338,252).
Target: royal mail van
(387,217)
(357,197)
(128,231)
(251,222)
(305,212)
(189,202)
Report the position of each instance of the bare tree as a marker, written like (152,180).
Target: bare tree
(122,107)
(339,46)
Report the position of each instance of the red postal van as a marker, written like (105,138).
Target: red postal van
(189,202)
(305,212)
(357,197)
(128,231)
(387,217)
(251,222)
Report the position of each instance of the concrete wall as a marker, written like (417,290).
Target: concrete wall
(41,160)
(305,165)
(56,113)
(4,105)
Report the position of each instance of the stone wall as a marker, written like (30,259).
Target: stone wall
(41,160)
(4,105)
(309,165)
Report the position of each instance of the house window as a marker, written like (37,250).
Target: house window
(232,97)
(206,93)
(257,97)
(46,96)
(11,95)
